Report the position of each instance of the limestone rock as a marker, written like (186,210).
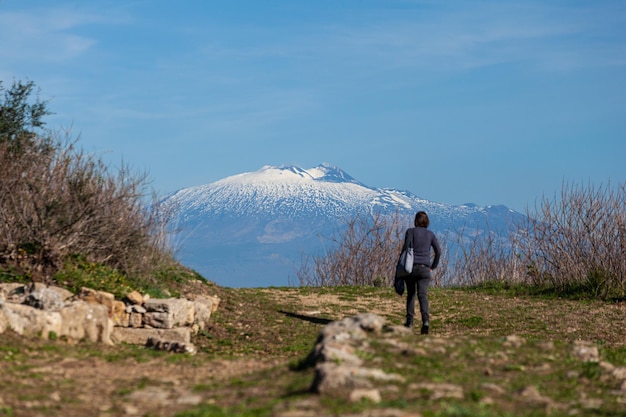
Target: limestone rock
(97,297)
(141,336)
(203,310)
(514,341)
(336,379)
(91,315)
(168,313)
(28,321)
(63,293)
(119,315)
(86,321)
(170,346)
(4,322)
(135,320)
(45,298)
(213,300)
(135,298)
(338,353)
(586,351)
(372,395)
(14,292)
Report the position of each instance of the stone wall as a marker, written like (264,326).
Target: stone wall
(96,316)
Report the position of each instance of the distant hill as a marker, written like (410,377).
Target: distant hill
(252,229)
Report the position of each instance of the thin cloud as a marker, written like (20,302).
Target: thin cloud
(49,35)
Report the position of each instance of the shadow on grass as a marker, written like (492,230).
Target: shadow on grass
(310,319)
(308,362)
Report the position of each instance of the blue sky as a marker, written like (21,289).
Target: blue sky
(491,102)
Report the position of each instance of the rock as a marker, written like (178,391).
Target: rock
(168,313)
(141,336)
(532,394)
(514,341)
(86,321)
(170,346)
(337,352)
(339,369)
(586,351)
(94,316)
(135,298)
(28,321)
(212,299)
(7,288)
(336,379)
(397,331)
(333,379)
(45,298)
(135,320)
(119,315)
(372,395)
(203,309)
(4,322)
(63,293)
(354,328)
(97,297)
(14,292)
(619,372)
(493,388)
(135,309)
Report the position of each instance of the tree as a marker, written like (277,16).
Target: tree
(21,117)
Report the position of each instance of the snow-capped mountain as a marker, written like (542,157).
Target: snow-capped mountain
(252,229)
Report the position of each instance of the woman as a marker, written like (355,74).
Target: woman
(419,279)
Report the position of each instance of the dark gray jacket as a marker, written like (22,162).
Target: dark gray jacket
(423,240)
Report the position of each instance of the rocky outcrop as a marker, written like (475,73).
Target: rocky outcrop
(339,370)
(96,316)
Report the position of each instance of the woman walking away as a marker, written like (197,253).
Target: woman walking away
(419,280)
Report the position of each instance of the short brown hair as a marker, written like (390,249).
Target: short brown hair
(421,219)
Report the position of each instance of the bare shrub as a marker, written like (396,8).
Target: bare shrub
(64,202)
(364,253)
(574,241)
(481,256)
(579,240)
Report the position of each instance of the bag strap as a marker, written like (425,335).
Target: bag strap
(412,230)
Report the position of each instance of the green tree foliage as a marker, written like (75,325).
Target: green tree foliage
(20,116)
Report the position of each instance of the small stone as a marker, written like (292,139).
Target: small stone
(130,410)
(493,388)
(514,341)
(619,373)
(135,298)
(586,351)
(372,395)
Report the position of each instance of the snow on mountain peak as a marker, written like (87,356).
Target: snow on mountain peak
(331,173)
(276,213)
(275,192)
(279,190)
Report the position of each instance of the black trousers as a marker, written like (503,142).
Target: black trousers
(417,283)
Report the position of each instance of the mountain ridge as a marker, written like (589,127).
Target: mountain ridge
(271,217)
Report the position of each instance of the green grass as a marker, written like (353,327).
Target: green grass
(277,327)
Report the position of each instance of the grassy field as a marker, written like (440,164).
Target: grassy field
(491,352)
